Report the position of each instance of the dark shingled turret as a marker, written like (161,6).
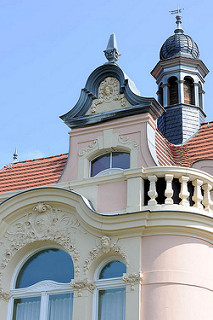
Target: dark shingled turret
(179,45)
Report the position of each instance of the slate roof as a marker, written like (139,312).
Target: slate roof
(46,171)
(32,173)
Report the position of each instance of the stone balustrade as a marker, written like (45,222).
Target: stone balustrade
(176,185)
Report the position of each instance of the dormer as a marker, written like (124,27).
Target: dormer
(110,118)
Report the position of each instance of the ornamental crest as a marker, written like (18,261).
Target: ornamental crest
(109,97)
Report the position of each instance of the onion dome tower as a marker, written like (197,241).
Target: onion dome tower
(180,77)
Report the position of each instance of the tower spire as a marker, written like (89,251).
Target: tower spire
(111,53)
(178,20)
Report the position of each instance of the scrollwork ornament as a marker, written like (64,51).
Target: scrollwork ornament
(42,223)
(126,141)
(105,245)
(80,285)
(132,279)
(90,147)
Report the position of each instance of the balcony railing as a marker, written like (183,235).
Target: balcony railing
(175,185)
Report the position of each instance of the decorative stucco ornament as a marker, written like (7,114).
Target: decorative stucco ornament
(41,224)
(132,279)
(109,91)
(104,246)
(4,295)
(87,150)
(80,285)
(41,207)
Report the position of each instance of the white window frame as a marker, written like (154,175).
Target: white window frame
(110,170)
(104,284)
(41,289)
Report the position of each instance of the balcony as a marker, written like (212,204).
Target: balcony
(187,188)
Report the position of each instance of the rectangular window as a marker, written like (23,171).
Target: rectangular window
(27,308)
(60,306)
(112,304)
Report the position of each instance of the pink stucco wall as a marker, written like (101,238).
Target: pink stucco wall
(177,278)
(112,196)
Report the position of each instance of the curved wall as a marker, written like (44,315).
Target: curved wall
(177,278)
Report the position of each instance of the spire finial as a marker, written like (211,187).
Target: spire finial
(15,155)
(178,20)
(111,53)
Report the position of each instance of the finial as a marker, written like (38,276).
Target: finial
(178,20)
(111,53)
(15,155)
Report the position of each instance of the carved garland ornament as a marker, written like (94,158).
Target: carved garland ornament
(132,279)
(105,246)
(42,223)
(80,285)
(108,92)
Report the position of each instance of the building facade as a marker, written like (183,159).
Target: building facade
(121,227)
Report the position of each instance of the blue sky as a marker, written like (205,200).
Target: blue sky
(48,49)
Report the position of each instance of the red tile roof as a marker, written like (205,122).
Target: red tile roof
(45,171)
(199,147)
(32,173)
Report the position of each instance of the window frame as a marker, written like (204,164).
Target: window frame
(43,289)
(111,169)
(104,284)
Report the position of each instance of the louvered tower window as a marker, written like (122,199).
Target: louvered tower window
(173,90)
(188,87)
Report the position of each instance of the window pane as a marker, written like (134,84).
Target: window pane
(27,309)
(121,160)
(60,306)
(100,164)
(111,304)
(113,269)
(51,264)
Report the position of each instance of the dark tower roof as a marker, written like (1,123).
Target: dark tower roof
(179,45)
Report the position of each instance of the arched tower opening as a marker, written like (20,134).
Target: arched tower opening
(173,90)
(189,92)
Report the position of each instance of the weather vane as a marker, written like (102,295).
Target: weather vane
(177,11)
(178,20)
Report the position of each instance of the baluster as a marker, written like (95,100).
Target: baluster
(169,190)
(184,193)
(207,201)
(197,196)
(152,193)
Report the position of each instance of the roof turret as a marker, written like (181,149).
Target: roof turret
(179,44)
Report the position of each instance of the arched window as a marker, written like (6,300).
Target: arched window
(173,90)
(160,94)
(111,292)
(200,93)
(188,87)
(109,163)
(42,288)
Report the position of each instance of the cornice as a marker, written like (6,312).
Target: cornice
(159,219)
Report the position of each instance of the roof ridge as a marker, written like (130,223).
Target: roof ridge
(35,159)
